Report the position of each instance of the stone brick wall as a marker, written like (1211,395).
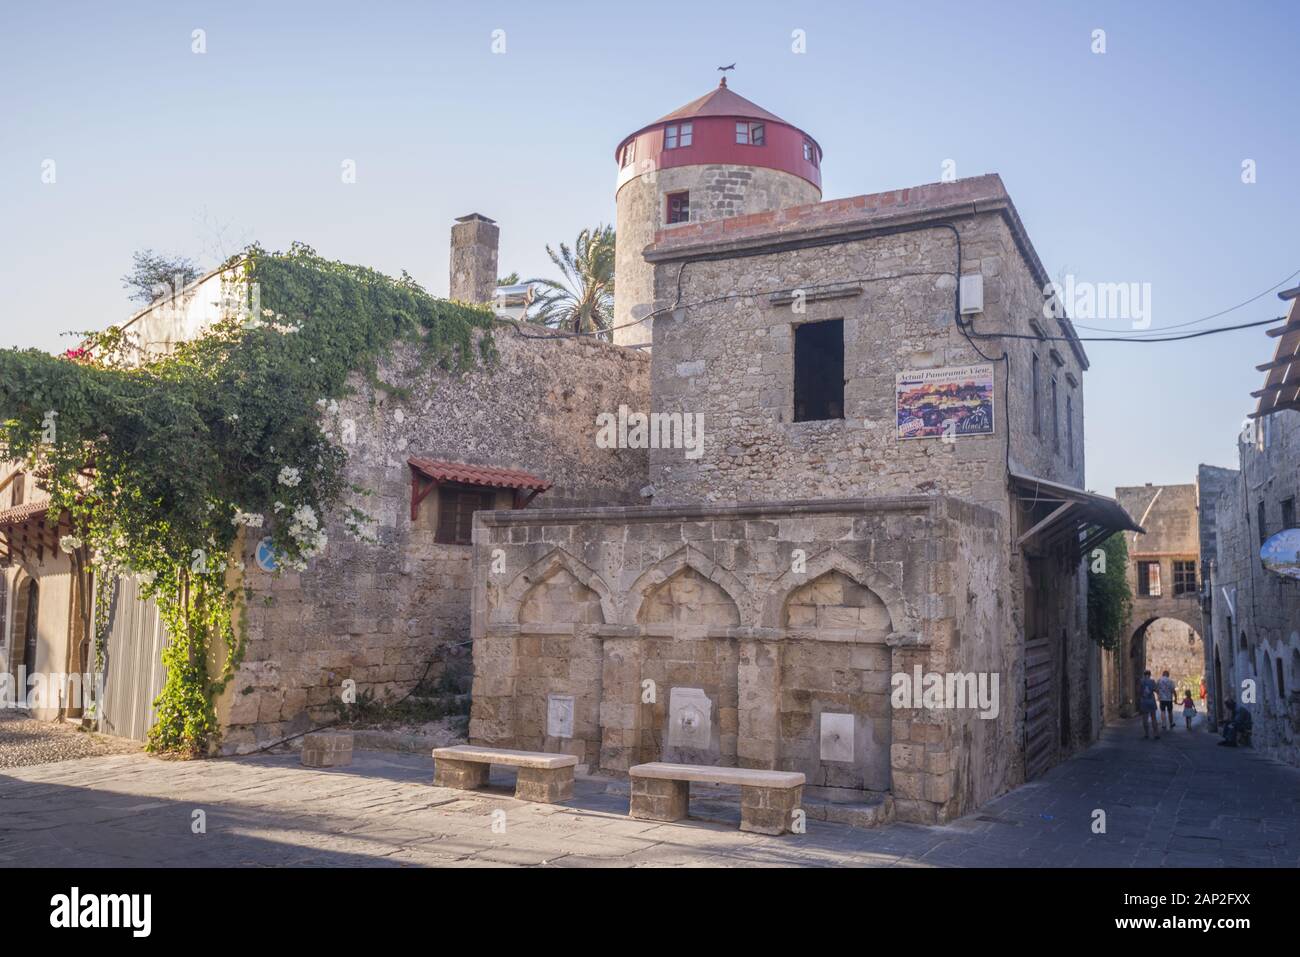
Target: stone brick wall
(1256,614)
(717,191)
(379,614)
(1169,515)
(686,634)
(733,361)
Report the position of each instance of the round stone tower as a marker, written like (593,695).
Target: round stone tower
(718,156)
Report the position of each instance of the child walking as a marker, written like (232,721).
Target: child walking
(1189,707)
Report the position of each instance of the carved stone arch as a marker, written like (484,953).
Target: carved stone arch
(693,558)
(539,572)
(901,616)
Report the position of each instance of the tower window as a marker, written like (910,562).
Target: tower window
(809,153)
(677,135)
(629,152)
(1149,579)
(679,207)
(750,134)
(819,371)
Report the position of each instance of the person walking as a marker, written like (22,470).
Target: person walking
(1147,706)
(1165,690)
(1189,707)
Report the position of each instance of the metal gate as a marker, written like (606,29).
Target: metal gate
(1041,735)
(133,668)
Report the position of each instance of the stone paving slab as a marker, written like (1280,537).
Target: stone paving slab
(1176,802)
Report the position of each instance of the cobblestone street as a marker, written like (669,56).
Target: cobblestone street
(1177,802)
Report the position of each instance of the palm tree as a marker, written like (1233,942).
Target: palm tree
(584,301)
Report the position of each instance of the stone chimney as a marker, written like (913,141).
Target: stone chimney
(474,241)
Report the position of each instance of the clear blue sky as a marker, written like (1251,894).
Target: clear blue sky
(1125,166)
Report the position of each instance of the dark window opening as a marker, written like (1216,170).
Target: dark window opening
(750,134)
(1069,429)
(1038,424)
(679,207)
(1149,579)
(1263,534)
(819,371)
(1243,641)
(1056,419)
(456,507)
(1281,680)
(1185,578)
(1288,513)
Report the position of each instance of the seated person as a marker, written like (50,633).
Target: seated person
(1238,724)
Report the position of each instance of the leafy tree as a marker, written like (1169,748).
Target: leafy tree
(1109,597)
(154,276)
(583,301)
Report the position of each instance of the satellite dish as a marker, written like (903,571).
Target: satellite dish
(1281,553)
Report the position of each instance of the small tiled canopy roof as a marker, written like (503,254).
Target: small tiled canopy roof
(1282,383)
(478,475)
(23,513)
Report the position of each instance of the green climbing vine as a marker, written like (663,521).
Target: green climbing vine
(162,460)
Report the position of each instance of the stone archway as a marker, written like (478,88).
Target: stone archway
(1167,642)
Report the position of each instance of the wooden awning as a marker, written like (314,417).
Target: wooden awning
(428,474)
(25,530)
(1282,383)
(1063,515)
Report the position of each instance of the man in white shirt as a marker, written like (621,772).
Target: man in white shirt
(1165,691)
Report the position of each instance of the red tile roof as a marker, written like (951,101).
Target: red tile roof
(477,474)
(22,513)
(720,101)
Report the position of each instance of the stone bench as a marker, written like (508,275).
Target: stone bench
(327,749)
(768,799)
(543,778)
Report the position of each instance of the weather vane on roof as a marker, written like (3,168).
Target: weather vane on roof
(724,69)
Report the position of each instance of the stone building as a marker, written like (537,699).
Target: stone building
(888,487)
(1254,608)
(1163,578)
(818,507)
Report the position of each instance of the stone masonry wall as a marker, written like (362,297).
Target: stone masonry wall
(381,613)
(626,635)
(717,191)
(1255,613)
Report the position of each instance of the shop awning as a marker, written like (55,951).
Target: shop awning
(1059,515)
(1282,383)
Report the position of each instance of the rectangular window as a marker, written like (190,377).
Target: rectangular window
(750,134)
(1038,424)
(1056,418)
(677,135)
(1185,578)
(1069,429)
(1288,513)
(809,153)
(1263,533)
(819,371)
(679,207)
(629,151)
(1149,579)
(456,507)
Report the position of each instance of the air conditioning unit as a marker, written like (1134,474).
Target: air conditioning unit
(971,294)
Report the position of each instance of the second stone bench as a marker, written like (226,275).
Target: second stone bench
(768,799)
(544,778)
